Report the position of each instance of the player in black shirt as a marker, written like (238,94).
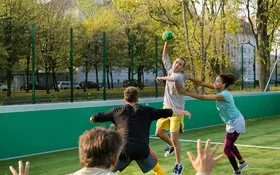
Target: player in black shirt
(133,121)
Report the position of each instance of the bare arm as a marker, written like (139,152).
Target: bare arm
(201,83)
(165,50)
(199,96)
(177,112)
(166,78)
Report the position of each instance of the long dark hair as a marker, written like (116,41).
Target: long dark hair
(227,79)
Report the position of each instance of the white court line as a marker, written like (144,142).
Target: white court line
(219,143)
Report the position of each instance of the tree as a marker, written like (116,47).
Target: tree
(52,29)
(16,17)
(99,18)
(264,27)
(144,30)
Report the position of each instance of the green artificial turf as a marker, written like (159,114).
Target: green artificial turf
(262,161)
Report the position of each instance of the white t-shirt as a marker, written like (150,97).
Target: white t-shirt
(94,171)
(171,98)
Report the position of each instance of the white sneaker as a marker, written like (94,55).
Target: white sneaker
(242,165)
(169,151)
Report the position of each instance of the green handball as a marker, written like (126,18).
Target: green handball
(168,35)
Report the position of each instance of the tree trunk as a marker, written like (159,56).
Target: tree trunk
(86,76)
(112,80)
(9,80)
(202,47)
(263,45)
(108,80)
(223,28)
(54,81)
(47,80)
(110,72)
(140,77)
(96,75)
(187,41)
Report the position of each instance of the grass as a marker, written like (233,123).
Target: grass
(262,161)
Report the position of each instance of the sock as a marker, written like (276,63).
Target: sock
(157,170)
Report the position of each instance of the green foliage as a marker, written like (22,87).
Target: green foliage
(203,41)
(3,60)
(127,6)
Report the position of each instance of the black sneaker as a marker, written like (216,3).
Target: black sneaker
(166,149)
(169,151)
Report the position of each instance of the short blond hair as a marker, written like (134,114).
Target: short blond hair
(130,94)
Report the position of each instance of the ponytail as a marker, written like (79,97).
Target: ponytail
(228,79)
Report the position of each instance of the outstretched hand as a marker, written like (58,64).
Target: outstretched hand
(205,161)
(21,169)
(158,79)
(186,76)
(187,113)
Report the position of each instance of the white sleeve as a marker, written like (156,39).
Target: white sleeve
(167,64)
(200,174)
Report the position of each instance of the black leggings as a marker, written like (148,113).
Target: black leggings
(231,150)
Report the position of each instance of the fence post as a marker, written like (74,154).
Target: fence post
(33,64)
(242,72)
(71,63)
(132,59)
(104,66)
(254,68)
(156,60)
(276,67)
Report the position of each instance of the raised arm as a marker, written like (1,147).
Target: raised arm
(201,83)
(200,96)
(165,50)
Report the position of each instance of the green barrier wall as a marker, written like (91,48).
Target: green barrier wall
(41,128)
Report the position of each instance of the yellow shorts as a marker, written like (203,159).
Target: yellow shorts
(173,124)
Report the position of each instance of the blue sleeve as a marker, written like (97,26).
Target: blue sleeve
(226,95)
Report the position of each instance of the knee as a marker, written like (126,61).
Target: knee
(175,138)
(227,150)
